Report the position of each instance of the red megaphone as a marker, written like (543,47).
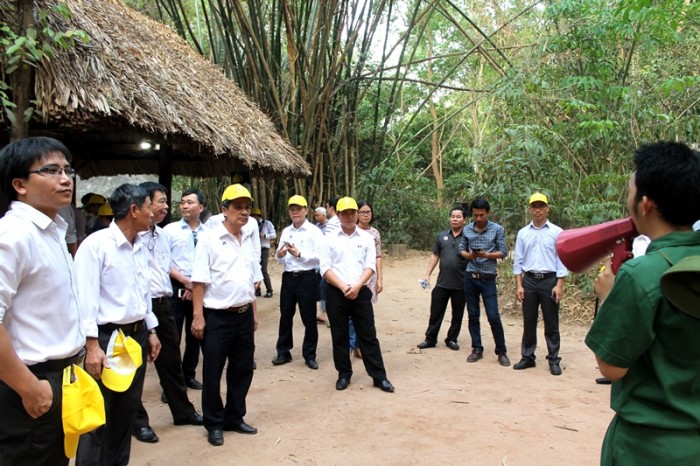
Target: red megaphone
(579,249)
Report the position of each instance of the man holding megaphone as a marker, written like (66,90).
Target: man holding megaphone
(645,339)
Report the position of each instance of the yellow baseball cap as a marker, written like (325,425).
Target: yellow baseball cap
(538,197)
(82,407)
(124,356)
(105,210)
(235,191)
(96,199)
(297,200)
(255,211)
(345,203)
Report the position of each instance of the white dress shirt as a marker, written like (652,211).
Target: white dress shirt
(536,250)
(38,290)
(333,224)
(348,255)
(227,268)
(182,245)
(249,229)
(158,246)
(113,280)
(308,240)
(267,233)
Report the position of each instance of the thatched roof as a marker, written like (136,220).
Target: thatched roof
(138,80)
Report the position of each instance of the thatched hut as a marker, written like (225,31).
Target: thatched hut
(137,81)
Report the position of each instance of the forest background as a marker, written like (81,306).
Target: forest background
(414,105)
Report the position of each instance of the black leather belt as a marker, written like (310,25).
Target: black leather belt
(301,272)
(481,276)
(128,329)
(238,309)
(161,300)
(55,365)
(541,276)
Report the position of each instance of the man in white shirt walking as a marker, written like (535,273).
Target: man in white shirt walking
(267,234)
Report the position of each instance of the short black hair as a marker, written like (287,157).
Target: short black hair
(459,207)
(363,203)
(669,174)
(152,187)
(200,195)
(17,158)
(333,202)
(480,203)
(124,197)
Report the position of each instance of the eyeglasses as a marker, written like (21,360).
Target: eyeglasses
(54,170)
(364,212)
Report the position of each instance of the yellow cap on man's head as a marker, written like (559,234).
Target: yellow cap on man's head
(538,197)
(297,200)
(105,210)
(346,203)
(235,191)
(255,211)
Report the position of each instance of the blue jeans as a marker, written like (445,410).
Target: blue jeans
(486,288)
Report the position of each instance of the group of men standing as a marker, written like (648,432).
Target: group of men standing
(55,311)
(468,256)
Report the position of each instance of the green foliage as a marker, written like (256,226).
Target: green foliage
(38,43)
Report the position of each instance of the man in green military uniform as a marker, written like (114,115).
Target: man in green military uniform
(643,343)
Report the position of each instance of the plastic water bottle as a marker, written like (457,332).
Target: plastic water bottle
(424,284)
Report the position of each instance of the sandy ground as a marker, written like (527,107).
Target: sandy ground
(444,410)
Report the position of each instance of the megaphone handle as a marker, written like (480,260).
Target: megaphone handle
(620,253)
(595,310)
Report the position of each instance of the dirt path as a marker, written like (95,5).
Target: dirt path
(444,410)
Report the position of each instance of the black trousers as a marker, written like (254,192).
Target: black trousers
(301,289)
(169,367)
(27,441)
(264,258)
(360,309)
(438,304)
(182,312)
(110,445)
(228,336)
(539,293)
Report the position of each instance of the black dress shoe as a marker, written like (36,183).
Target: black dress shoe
(342,383)
(194,384)
(194,419)
(145,434)
(476,355)
(163,399)
(312,364)
(241,427)
(384,385)
(503,360)
(268,294)
(216,437)
(279,360)
(425,344)
(603,381)
(452,345)
(524,363)
(555,369)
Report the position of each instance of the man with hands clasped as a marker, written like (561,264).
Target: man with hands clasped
(299,250)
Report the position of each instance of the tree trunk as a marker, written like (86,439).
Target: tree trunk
(21,80)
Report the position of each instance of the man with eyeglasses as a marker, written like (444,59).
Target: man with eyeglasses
(112,271)
(169,363)
(348,260)
(225,317)
(41,332)
(539,281)
(298,251)
(183,235)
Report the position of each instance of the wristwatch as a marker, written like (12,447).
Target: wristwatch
(152,331)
